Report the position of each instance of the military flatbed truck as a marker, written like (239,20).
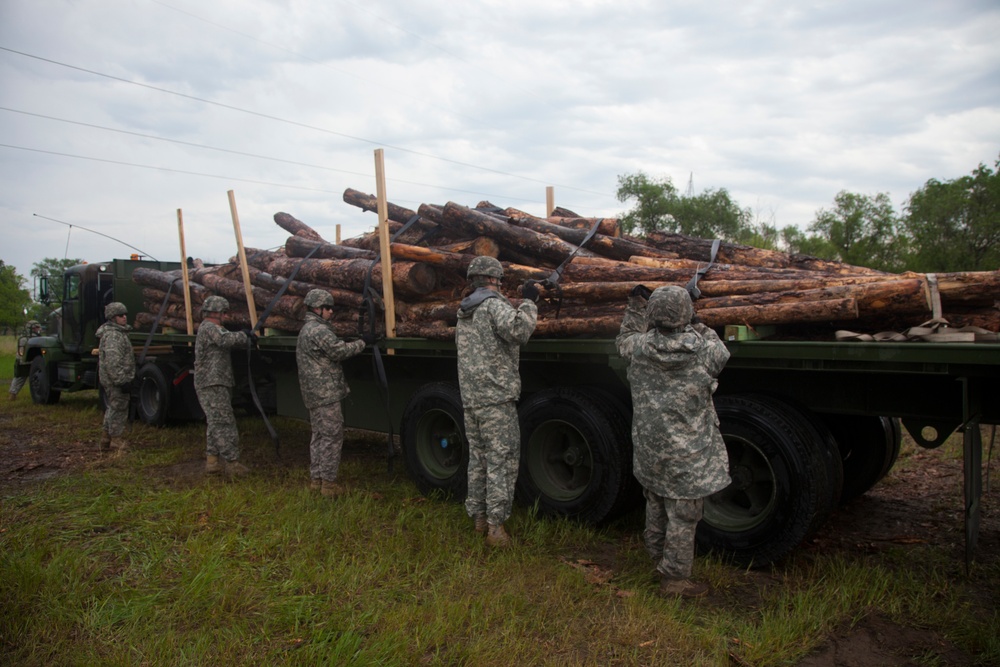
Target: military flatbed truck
(808,425)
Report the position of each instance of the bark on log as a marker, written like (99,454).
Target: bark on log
(297,228)
(608,226)
(162,280)
(733,253)
(481,245)
(408,278)
(895,296)
(474,223)
(297,246)
(608,246)
(781,313)
(235,292)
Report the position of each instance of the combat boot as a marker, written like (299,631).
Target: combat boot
(480,524)
(212,465)
(236,469)
(497,537)
(671,587)
(332,489)
(315,484)
(119,445)
(13,396)
(105,443)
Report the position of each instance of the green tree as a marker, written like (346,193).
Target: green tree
(659,206)
(54,268)
(14,298)
(862,230)
(955,225)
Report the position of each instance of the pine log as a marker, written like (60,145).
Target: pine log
(893,296)
(560,212)
(474,223)
(781,313)
(297,246)
(626,271)
(162,280)
(608,226)
(297,227)
(261,259)
(481,245)
(734,253)
(235,292)
(971,288)
(408,278)
(611,247)
(434,256)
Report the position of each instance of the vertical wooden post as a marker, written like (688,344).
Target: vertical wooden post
(338,233)
(550,200)
(383,241)
(251,306)
(184,273)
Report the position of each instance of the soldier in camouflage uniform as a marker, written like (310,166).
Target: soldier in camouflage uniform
(489,335)
(213,382)
(31,329)
(116,370)
(679,455)
(318,353)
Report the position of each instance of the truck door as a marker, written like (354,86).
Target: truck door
(72,313)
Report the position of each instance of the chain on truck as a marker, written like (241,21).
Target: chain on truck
(808,425)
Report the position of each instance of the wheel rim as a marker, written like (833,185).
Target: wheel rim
(439,444)
(751,496)
(149,397)
(559,460)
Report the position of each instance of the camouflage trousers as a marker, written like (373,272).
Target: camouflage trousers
(494,453)
(669,534)
(327,441)
(116,414)
(221,437)
(16,385)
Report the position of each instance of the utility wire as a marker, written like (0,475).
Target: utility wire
(290,122)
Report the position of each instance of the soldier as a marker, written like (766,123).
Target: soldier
(489,334)
(318,353)
(31,329)
(213,382)
(116,370)
(679,456)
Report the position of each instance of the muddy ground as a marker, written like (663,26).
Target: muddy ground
(918,504)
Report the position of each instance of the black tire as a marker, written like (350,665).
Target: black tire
(40,383)
(576,455)
(153,400)
(433,439)
(868,449)
(785,481)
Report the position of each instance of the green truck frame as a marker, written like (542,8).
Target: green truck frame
(808,425)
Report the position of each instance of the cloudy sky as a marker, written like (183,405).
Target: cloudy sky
(116,113)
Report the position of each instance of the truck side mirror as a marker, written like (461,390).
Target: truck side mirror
(43,289)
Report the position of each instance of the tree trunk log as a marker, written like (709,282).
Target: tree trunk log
(608,246)
(297,246)
(608,227)
(297,227)
(408,278)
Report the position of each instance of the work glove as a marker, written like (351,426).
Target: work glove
(369,338)
(529,290)
(251,338)
(641,290)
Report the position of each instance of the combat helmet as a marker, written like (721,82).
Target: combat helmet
(215,304)
(317,298)
(114,309)
(669,307)
(484,265)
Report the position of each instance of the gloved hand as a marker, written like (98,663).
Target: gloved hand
(641,290)
(529,290)
(369,338)
(251,337)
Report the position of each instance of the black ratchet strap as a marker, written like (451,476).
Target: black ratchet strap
(552,282)
(692,286)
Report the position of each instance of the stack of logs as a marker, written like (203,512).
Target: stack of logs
(804,297)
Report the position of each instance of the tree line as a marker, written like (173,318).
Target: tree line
(944,226)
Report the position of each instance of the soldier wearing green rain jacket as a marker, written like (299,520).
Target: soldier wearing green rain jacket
(116,370)
(489,335)
(679,456)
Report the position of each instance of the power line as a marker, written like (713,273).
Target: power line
(289,122)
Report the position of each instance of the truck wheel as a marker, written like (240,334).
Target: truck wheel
(433,440)
(154,395)
(785,481)
(40,383)
(868,448)
(575,455)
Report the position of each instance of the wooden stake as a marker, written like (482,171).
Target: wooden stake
(383,240)
(338,234)
(184,272)
(550,200)
(244,267)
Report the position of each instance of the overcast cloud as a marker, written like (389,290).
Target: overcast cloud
(784,104)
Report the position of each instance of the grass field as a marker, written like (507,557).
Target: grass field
(141,560)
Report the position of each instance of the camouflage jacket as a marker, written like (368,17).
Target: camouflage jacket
(678,451)
(213,363)
(116,365)
(489,336)
(318,353)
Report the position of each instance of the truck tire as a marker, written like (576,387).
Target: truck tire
(576,455)
(40,383)
(785,481)
(433,440)
(868,449)
(153,396)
